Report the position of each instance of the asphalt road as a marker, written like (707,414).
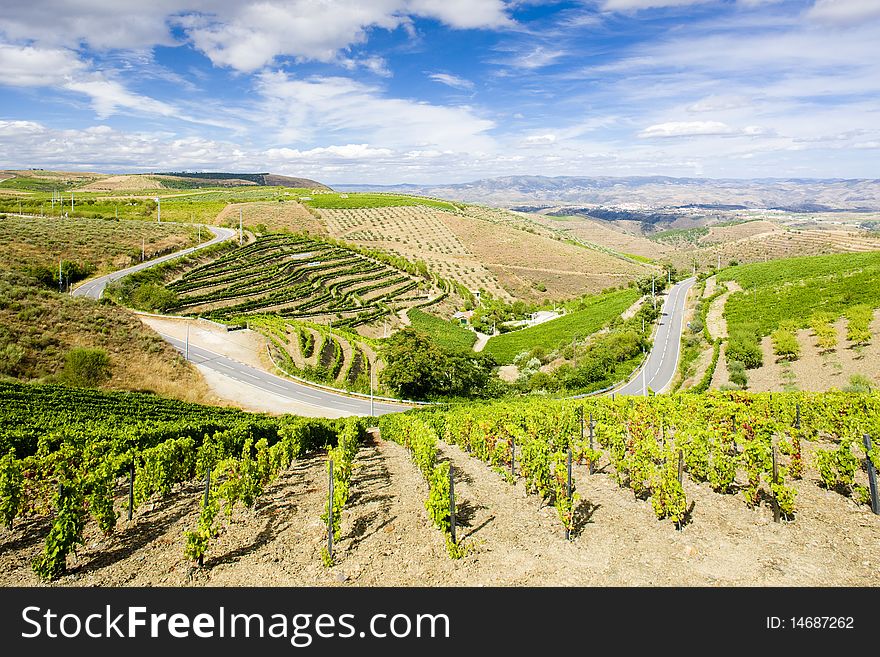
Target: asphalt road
(659,370)
(282,387)
(94,288)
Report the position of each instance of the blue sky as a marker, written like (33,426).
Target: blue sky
(425,91)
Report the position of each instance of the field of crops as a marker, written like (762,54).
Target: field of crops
(298,277)
(752,445)
(333,200)
(446,334)
(598,312)
(763,241)
(796,288)
(415,233)
(65,448)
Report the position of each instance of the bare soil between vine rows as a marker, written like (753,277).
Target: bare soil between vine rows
(512,539)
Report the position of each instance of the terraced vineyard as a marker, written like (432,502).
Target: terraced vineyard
(297,277)
(474,246)
(339,358)
(414,232)
(772,244)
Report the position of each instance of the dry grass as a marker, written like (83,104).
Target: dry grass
(42,326)
(617,240)
(108,245)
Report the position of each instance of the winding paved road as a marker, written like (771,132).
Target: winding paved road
(258,379)
(94,288)
(296,392)
(662,363)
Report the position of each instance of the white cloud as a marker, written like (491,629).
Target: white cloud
(538,57)
(453,81)
(685,129)
(463,14)
(37,67)
(250,36)
(844,12)
(241,34)
(336,107)
(540,140)
(346,152)
(57,67)
(635,5)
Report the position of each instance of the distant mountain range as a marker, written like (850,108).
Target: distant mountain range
(535,192)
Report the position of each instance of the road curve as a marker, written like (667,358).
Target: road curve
(94,288)
(256,378)
(270,383)
(659,370)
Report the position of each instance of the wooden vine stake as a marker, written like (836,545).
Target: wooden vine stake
(592,465)
(568,492)
(452,504)
(330,514)
(872,475)
(680,478)
(204,505)
(512,457)
(130,490)
(776,513)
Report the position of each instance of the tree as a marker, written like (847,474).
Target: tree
(416,368)
(411,364)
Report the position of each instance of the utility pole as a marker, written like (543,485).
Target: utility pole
(143,248)
(71,202)
(159,209)
(653,296)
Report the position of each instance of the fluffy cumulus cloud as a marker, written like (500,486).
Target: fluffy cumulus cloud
(27,66)
(241,34)
(340,108)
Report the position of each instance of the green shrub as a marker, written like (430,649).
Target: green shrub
(85,367)
(737,371)
(743,346)
(785,344)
